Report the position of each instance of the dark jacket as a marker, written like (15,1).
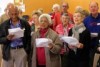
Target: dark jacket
(6,43)
(81,54)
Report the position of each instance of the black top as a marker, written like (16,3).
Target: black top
(83,53)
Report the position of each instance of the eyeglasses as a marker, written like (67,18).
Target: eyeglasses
(64,6)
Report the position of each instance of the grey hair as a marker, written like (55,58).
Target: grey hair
(46,16)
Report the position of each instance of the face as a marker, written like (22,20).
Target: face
(35,18)
(44,23)
(93,8)
(13,14)
(65,20)
(64,7)
(77,17)
(55,9)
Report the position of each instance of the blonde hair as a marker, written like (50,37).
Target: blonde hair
(78,8)
(35,12)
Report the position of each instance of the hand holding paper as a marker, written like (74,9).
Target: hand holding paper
(70,40)
(10,37)
(17,32)
(43,42)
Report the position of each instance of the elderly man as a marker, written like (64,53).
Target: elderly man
(65,7)
(92,23)
(5,15)
(15,50)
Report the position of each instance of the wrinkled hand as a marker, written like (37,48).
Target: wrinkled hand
(49,41)
(80,45)
(50,45)
(10,37)
(71,46)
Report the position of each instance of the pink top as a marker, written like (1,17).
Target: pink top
(63,31)
(60,29)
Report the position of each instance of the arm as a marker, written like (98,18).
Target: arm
(4,37)
(55,47)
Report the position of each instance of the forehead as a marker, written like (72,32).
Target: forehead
(77,13)
(34,15)
(65,4)
(43,18)
(63,16)
(13,10)
(93,4)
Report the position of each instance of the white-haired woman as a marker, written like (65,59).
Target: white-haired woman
(46,56)
(56,15)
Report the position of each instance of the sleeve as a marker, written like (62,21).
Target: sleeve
(3,36)
(56,45)
(85,39)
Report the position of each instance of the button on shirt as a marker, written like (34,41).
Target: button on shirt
(18,41)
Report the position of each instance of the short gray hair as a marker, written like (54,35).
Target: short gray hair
(46,16)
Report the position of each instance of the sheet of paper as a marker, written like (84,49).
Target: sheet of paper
(42,42)
(70,40)
(17,32)
(94,34)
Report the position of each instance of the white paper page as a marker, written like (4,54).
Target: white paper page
(70,40)
(94,34)
(17,32)
(42,42)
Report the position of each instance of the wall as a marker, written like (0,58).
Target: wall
(83,3)
(47,4)
(35,4)
(3,4)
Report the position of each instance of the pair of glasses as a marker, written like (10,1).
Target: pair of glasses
(64,6)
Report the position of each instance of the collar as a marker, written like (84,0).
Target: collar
(98,17)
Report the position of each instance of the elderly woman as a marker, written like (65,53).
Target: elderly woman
(79,54)
(46,56)
(63,30)
(34,22)
(56,15)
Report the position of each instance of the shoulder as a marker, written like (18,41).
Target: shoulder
(24,22)
(70,25)
(87,18)
(52,33)
(59,26)
(86,32)
(5,22)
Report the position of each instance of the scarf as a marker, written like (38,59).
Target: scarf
(43,32)
(77,29)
